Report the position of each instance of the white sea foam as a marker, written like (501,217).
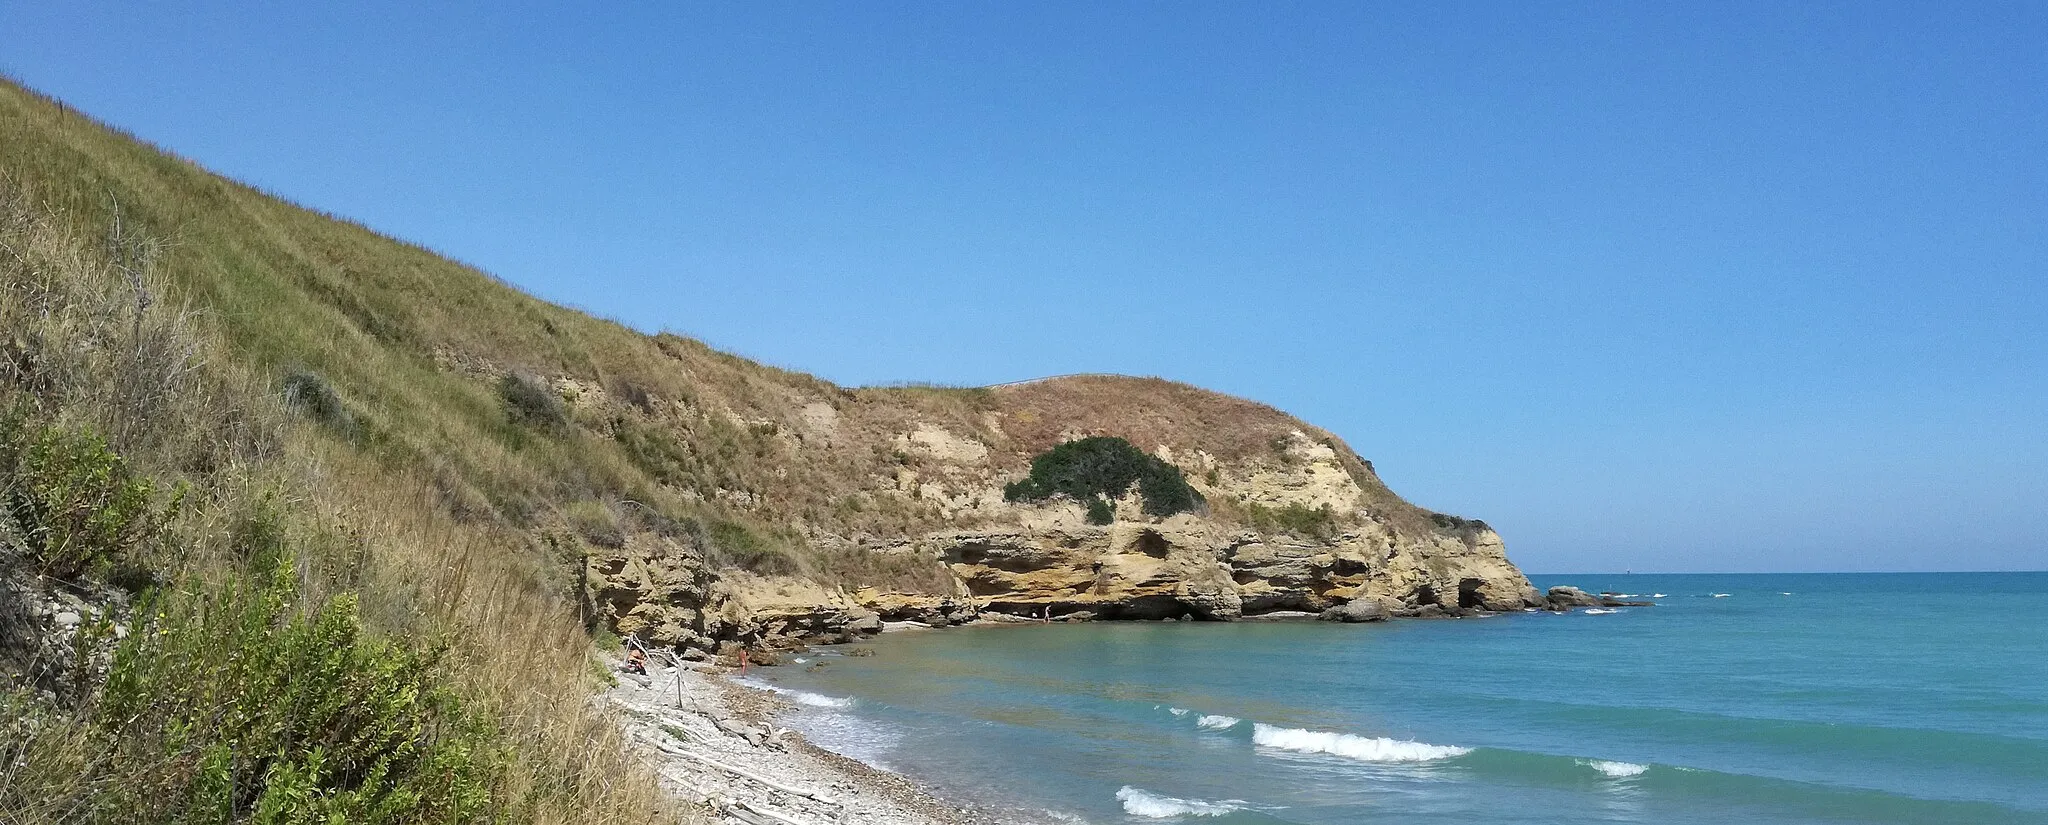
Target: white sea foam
(1656,595)
(1597,611)
(852,736)
(1363,748)
(801,697)
(1721,595)
(1140,802)
(1618,770)
(1217,721)
(1178,711)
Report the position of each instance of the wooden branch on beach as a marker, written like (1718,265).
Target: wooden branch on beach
(793,791)
(785,819)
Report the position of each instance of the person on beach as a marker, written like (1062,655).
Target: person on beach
(636,657)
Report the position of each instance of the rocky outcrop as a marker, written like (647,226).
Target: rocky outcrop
(1292,521)
(1188,566)
(1120,571)
(1565,597)
(652,588)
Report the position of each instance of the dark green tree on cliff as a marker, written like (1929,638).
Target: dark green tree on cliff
(1097,469)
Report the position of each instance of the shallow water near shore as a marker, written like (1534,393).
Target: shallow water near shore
(1880,698)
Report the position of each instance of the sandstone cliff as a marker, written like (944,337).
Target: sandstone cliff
(1294,521)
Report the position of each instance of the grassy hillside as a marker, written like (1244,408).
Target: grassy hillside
(333,612)
(344,455)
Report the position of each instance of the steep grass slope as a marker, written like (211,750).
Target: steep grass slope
(257,609)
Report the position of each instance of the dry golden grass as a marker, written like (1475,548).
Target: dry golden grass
(92,341)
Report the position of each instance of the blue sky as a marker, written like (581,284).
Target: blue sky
(1719,287)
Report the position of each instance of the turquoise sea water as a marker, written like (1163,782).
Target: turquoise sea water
(1893,698)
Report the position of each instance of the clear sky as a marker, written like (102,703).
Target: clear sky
(1646,285)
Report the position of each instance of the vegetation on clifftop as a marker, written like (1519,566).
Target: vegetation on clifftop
(1098,469)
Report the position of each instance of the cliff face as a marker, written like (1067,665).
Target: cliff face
(1294,521)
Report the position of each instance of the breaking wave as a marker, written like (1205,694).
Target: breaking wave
(1140,802)
(1363,748)
(1217,721)
(1618,770)
(801,697)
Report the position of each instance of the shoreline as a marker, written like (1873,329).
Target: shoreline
(718,749)
(715,745)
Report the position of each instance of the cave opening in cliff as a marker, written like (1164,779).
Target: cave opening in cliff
(1468,593)
(1152,544)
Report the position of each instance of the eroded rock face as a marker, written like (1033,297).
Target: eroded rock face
(1295,522)
(652,588)
(1186,566)
(1126,570)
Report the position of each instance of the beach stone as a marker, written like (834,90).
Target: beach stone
(1355,611)
(861,620)
(68,619)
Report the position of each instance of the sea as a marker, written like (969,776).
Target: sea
(1836,698)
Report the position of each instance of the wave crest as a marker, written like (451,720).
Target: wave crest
(1363,748)
(1140,802)
(1217,721)
(801,697)
(1618,770)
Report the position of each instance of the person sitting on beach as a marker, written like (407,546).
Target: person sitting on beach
(636,661)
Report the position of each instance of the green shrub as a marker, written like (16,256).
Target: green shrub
(243,704)
(530,401)
(311,395)
(1100,512)
(1299,519)
(1099,468)
(70,501)
(1450,522)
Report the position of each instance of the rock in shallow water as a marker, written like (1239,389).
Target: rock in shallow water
(1356,610)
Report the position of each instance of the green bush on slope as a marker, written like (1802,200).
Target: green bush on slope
(242,700)
(247,702)
(69,501)
(1096,469)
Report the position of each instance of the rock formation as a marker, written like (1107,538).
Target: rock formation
(1293,520)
